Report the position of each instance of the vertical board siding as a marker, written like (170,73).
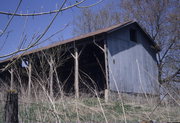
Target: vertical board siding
(131,65)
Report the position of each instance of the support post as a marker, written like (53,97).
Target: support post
(51,76)
(12,78)
(11,107)
(106,92)
(104,49)
(76,71)
(29,78)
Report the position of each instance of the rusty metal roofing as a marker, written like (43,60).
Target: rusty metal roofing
(101,31)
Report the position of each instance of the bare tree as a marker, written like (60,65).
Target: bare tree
(90,20)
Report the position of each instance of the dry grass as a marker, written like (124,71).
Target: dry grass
(88,109)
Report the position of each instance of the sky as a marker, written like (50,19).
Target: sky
(26,28)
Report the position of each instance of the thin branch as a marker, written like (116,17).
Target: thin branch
(43,13)
(52,35)
(39,38)
(23,39)
(71,54)
(157,105)
(4,42)
(172,76)
(100,65)
(167,50)
(81,51)
(90,5)
(94,41)
(13,14)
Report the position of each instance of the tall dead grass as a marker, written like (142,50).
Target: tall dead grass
(43,108)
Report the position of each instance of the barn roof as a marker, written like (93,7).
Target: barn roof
(91,34)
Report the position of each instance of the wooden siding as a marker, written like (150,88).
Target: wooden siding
(132,66)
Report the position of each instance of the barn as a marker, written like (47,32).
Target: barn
(120,58)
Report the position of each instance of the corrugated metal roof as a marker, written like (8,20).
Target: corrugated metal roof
(101,31)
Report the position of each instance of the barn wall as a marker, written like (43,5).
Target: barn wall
(131,65)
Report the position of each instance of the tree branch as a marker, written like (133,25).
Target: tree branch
(167,50)
(51,12)
(90,5)
(13,14)
(35,14)
(39,38)
(168,79)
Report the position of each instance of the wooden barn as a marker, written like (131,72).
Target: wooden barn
(121,58)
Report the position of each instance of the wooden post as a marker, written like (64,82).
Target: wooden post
(12,78)
(106,92)
(104,49)
(11,107)
(76,71)
(51,76)
(29,78)
(106,95)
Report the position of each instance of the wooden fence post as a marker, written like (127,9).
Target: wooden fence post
(11,107)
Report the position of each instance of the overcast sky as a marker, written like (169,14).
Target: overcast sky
(23,28)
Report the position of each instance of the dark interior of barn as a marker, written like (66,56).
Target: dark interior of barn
(91,69)
(91,62)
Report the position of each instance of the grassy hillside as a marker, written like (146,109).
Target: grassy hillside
(91,109)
